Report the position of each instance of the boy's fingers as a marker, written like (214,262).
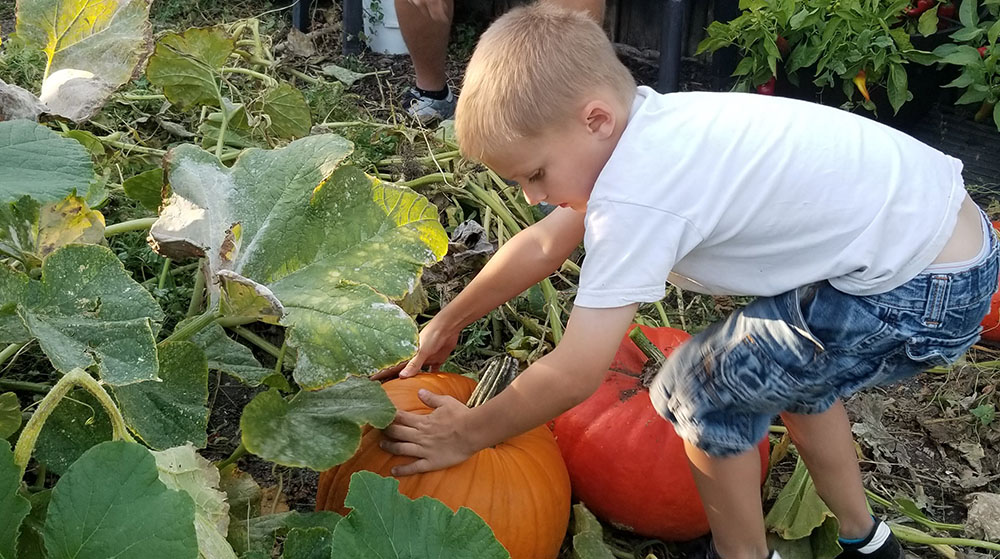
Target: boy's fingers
(406,418)
(433,400)
(399,432)
(416,467)
(412,367)
(401,448)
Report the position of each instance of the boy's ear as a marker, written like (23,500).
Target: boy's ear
(599,117)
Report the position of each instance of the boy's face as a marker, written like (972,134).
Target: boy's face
(558,167)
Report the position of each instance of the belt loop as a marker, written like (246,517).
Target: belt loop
(937,300)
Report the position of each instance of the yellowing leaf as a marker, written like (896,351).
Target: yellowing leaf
(68,221)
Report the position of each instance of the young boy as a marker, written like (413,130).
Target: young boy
(869,260)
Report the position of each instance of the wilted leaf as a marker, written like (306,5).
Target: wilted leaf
(347,77)
(588,535)
(356,246)
(93,46)
(85,311)
(288,111)
(384,523)
(18,103)
(184,470)
(984,516)
(111,503)
(78,423)
(800,514)
(242,493)
(314,429)
(37,162)
(172,411)
(10,414)
(187,65)
(28,232)
(13,507)
(256,535)
(146,188)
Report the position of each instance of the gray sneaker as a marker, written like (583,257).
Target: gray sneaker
(428,110)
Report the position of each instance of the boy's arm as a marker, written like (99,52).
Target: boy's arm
(526,259)
(553,384)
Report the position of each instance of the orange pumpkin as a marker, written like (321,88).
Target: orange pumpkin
(519,487)
(991,324)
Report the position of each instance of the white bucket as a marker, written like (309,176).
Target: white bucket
(383,33)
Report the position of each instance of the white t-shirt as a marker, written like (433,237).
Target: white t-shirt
(743,194)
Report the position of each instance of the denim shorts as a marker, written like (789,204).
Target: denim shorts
(802,350)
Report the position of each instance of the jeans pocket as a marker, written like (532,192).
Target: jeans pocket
(938,352)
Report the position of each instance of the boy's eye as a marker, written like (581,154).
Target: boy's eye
(537,175)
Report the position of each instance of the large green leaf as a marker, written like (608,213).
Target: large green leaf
(13,507)
(172,411)
(78,423)
(188,65)
(182,469)
(37,162)
(85,311)
(324,252)
(315,429)
(308,543)
(92,47)
(588,535)
(386,524)
(111,503)
(29,232)
(802,523)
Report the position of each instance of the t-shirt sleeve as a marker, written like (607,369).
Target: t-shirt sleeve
(630,250)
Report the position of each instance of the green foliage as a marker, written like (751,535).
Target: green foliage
(977,54)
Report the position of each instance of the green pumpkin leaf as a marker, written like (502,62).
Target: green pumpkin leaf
(111,503)
(357,245)
(28,232)
(800,516)
(13,507)
(86,311)
(188,65)
(229,356)
(10,414)
(184,470)
(308,543)
(588,535)
(37,162)
(30,544)
(92,48)
(289,113)
(315,429)
(78,423)
(384,523)
(174,410)
(146,188)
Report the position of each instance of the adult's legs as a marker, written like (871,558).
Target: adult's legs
(825,443)
(427,41)
(730,491)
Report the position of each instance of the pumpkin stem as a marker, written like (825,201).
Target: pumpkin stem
(647,347)
(499,373)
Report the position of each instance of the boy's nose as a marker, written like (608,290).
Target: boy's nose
(532,196)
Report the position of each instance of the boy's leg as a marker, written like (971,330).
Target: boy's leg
(730,491)
(427,41)
(826,446)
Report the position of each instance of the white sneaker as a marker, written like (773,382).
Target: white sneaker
(428,110)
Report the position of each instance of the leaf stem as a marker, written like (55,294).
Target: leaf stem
(238,453)
(140,224)
(164,274)
(433,178)
(919,519)
(193,327)
(149,97)
(133,147)
(220,144)
(198,291)
(913,535)
(252,73)
(10,351)
(24,386)
(77,377)
(258,341)
(553,308)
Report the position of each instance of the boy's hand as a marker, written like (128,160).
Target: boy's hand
(436,440)
(435,345)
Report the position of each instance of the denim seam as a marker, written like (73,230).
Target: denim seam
(937,301)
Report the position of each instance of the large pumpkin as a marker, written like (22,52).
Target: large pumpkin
(991,324)
(519,487)
(625,462)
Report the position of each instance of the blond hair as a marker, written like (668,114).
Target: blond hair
(532,69)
